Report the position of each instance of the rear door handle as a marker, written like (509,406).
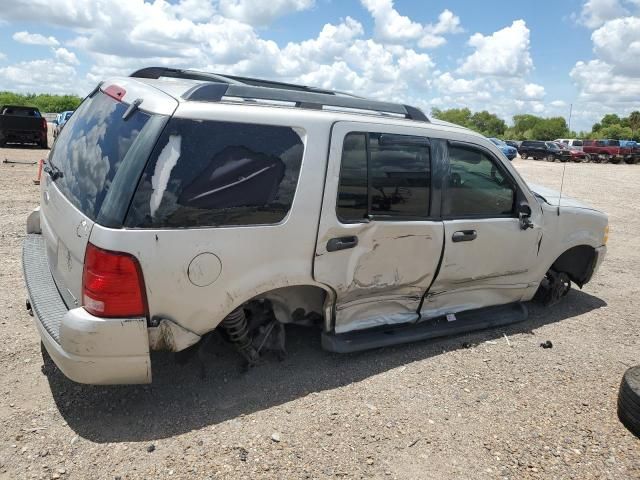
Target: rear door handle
(341,243)
(464,236)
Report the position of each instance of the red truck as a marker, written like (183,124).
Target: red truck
(609,151)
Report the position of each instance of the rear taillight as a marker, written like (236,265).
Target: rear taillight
(44,124)
(112,284)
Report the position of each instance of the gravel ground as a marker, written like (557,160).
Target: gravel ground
(503,408)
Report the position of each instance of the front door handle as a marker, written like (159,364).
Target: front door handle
(341,243)
(464,236)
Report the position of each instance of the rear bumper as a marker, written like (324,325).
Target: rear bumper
(87,349)
(24,136)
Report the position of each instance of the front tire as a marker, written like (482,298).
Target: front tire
(629,400)
(554,287)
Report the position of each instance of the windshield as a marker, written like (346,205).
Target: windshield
(90,150)
(498,142)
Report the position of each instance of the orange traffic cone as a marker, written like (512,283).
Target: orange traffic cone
(36,181)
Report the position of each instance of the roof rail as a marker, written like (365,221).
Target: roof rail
(247,88)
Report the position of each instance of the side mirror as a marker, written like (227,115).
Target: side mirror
(524,209)
(524,213)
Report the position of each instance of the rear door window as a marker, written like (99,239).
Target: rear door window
(90,150)
(211,173)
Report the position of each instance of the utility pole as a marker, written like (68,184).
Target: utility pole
(570,112)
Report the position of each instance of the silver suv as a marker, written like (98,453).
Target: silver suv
(176,203)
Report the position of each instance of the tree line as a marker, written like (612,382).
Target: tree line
(44,102)
(532,127)
(525,126)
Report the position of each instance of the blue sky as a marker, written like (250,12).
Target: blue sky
(508,57)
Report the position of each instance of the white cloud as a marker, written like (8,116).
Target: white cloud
(392,27)
(38,76)
(505,52)
(597,12)
(2,56)
(610,82)
(261,12)
(35,39)
(598,82)
(66,56)
(447,83)
(533,91)
(617,42)
(195,10)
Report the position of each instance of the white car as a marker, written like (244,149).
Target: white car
(575,143)
(176,203)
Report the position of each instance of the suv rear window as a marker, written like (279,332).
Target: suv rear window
(210,173)
(21,112)
(91,148)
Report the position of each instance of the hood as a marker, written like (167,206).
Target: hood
(552,197)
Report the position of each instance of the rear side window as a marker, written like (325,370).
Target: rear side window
(209,173)
(90,150)
(385,176)
(577,143)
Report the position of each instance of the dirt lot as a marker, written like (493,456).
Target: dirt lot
(500,409)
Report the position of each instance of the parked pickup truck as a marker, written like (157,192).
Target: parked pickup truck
(22,125)
(635,150)
(608,151)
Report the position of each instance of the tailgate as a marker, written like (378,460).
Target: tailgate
(66,232)
(17,123)
(92,172)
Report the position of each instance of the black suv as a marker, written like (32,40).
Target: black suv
(539,150)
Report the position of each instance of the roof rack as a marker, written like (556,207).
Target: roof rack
(253,89)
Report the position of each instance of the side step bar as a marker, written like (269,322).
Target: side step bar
(468,321)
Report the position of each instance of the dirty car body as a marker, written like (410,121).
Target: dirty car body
(212,203)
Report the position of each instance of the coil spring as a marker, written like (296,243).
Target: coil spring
(235,324)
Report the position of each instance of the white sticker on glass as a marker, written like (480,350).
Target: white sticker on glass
(166,161)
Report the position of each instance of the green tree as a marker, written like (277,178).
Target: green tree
(488,124)
(459,116)
(634,124)
(550,128)
(615,131)
(610,119)
(523,126)
(44,102)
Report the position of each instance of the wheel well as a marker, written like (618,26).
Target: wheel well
(577,262)
(302,304)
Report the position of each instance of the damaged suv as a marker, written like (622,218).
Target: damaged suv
(178,203)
